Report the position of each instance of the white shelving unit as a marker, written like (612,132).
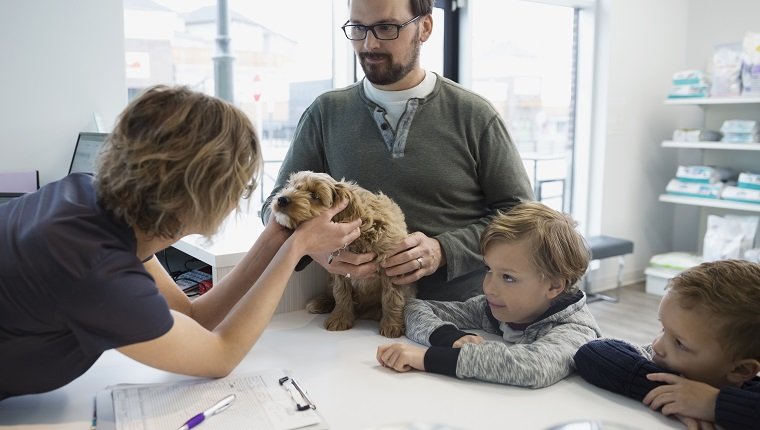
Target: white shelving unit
(710,203)
(723,146)
(741,156)
(713,101)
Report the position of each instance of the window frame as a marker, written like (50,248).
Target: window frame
(577,193)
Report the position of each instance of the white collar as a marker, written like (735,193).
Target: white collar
(384,98)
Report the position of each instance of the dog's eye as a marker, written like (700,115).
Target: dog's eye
(314,196)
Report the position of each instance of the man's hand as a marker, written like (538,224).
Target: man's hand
(401,357)
(415,257)
(470,338)
(343,262)
(681,396)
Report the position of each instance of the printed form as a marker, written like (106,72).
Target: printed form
(261,403)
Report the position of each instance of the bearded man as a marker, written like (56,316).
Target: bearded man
(440,151)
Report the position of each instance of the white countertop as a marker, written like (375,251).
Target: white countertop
(351,390)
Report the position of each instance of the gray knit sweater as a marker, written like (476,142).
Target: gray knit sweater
(540,357)
(450,165)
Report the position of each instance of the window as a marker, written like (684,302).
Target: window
(282,60)
(522,57)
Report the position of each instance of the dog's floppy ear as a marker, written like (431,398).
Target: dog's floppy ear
(345,191)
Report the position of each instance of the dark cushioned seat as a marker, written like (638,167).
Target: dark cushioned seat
(606,247)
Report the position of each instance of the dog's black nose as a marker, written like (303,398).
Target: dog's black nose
(282,201)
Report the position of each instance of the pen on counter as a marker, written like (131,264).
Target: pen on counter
(213,410)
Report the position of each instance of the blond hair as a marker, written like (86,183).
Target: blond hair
(729,290)
(177,158)
(559,252)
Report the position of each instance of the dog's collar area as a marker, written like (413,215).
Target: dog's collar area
(336,253)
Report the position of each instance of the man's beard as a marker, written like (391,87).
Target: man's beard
(389,72)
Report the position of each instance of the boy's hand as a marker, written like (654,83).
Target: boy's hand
(470,338)
(681,396)
(401,357)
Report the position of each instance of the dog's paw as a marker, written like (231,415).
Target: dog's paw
(320,305)
(391,330)
(336,323)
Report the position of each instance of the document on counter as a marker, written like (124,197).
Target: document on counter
(267,400)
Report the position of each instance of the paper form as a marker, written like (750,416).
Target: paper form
(261,403)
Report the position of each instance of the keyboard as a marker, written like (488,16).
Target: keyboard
(194,281)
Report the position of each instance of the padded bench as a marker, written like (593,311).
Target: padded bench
(603,247)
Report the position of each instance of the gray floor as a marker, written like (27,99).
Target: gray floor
(633,318)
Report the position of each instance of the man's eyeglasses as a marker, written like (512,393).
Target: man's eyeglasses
(381,31)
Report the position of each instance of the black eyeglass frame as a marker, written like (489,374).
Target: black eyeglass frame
(367,28)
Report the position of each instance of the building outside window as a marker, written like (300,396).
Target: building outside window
(522,58)
(280,65)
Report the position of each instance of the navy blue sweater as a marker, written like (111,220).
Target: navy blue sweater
(619,367)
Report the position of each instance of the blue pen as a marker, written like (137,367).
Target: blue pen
(218,407)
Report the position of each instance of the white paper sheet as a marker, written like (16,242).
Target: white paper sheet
(261,403)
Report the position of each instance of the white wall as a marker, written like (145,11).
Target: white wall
(642,43)
(60,62)
(716,22)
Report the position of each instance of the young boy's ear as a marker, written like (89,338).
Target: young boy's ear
(556,288)
(744,371)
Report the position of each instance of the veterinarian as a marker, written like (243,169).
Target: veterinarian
(440,151)
(78,275)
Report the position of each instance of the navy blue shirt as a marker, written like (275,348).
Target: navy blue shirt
(71,287)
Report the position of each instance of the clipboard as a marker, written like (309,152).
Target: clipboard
(262,402)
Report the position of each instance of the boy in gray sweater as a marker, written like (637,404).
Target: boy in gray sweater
(535,258)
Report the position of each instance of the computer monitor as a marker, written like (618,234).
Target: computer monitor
(86,152)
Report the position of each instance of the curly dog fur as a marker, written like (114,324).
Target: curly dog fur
(306,195)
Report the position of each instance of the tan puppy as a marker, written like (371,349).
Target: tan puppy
(306,195)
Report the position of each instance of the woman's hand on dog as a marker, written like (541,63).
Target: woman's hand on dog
(401,357)
(322,235)
(276,231)
(416,256)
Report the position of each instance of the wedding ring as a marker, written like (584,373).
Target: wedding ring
(330,258)
(419,261)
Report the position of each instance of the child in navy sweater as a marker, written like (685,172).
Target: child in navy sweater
(703,367)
